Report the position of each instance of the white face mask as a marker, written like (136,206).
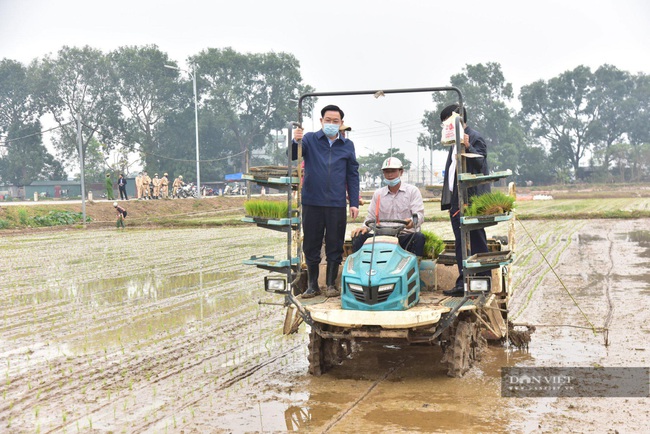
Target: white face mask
(330,130)
(392,182)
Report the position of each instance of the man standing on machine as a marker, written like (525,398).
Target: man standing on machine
(475,144)
(331,174)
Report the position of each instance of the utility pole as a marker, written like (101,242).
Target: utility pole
(81,171)
(431,162)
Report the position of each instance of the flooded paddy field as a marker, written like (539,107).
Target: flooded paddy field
(158,330)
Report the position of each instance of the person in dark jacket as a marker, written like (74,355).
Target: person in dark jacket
(473,143)
(121,185)
(331,174)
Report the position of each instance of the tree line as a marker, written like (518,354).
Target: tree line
(128,101)
(582,124)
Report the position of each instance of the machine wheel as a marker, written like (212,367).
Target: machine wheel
(325,353)
(315,355)
(463,349)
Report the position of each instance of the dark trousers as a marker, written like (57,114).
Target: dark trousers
(478,242)
(319,221)
(413,243)
(123,195)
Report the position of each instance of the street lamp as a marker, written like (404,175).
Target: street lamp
(390,131)
(196,123)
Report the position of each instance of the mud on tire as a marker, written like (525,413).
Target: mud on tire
(325,352)
(465,348)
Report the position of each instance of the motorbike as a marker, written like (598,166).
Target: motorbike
(187,190)
(235,189)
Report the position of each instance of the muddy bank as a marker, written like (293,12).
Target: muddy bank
(162,331)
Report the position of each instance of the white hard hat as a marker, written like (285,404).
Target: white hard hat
(392,163)
(114,203)
(180,176)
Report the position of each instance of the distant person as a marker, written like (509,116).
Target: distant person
(156,186)
(121,185)
(395,201)
(343,130)
(176,186)
(331,172)
(475,144)
(146,182)
(121,215)
(138,185)
(164,186)
(109,187)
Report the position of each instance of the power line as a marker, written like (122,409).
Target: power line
(4,143)
(194,160)
(33,134)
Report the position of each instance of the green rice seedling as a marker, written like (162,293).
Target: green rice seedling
(23,216)
(266,209)
(490,204)
(433,244)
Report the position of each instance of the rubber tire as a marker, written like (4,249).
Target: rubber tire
(461,355)
(316,354)
(325,353)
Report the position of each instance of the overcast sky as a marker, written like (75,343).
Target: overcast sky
(354,45)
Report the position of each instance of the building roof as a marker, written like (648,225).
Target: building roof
(46,183)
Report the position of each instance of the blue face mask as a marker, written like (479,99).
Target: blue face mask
(330,130)
(392,182)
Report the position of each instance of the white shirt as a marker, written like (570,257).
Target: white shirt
(397,206)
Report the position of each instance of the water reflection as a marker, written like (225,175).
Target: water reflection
(170,306)
(141,287)
(642,238)
(417,396)
(296,418)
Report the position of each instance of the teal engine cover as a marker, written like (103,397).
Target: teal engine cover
(390,282)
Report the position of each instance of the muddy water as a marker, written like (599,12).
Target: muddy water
(111,338)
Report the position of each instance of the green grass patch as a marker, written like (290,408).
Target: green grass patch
(38,217)
(23,217)
(59,218)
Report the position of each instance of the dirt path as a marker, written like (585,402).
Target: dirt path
(162,331)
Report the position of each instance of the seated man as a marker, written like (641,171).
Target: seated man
(395,201)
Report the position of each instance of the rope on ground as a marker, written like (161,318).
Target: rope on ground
(362,397)
(600,329)
(593,328)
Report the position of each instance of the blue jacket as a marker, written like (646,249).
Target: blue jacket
(330,171)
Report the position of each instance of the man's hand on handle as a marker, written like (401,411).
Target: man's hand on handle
(356,232)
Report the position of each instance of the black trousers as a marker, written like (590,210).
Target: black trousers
(327,221)
(123,195)
(413,243)
(478,242)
